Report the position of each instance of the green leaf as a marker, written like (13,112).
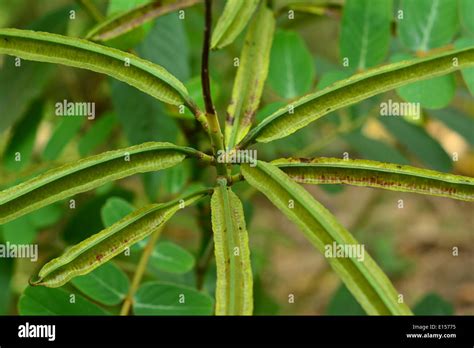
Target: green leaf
(44,301)
(458,122)
(365,33)
(170,257)
(126,21)
(307,109)
(110,242)
(333,76)
(373,149)
(234,273)
(129,39)
(433,304)
(466,14)
(167,45)
(251,76)
(467,74)
(137,72)
(66,130)
(86,174)
(97,134)
(292,70)
(115,209)
(434,93)
(155,298)
(147,125)
(19,86)
(427,24)
(194,87)
(343,303)
(6,274)
(46,216)
(419,142)
(20,146)
(364,279)
(388,176)
(86,219)
(233,20)
(20,231)
(107,284)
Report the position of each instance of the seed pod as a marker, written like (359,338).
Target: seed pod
(103,246)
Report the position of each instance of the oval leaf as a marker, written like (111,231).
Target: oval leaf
(232,21)
(103,246)
(51,48)
(298,114)
(44,301)
(156,298)
(365,33)
(427,24)
(377,174)
(234,273)
(366,281)
(115,209)
(291,65)
(172,258)
(86,174)
(107,284)
(251,76)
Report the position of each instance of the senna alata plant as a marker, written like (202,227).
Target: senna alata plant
(230,139)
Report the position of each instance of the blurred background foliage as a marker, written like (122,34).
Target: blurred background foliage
(413,244)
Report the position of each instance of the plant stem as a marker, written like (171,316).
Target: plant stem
(215,133)
(93,11)
(140,271)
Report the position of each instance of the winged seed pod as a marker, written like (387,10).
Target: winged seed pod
(387,176)
(234,273)
(103,246)
(233,20)
(89,173)
(137,72)
(251,76)
(311,107)
(122,23)
(363,277)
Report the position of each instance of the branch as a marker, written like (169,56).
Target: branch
(137,278)
(206,87)
(215,133)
